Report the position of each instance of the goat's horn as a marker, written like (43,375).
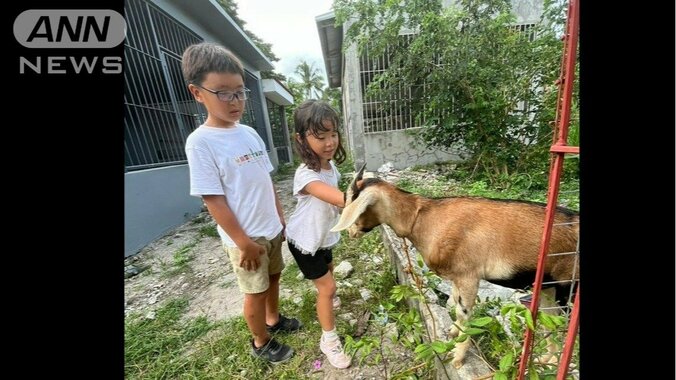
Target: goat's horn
(353,190)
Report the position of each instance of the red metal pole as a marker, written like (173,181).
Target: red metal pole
(570,338)
(554,178)
(559,149)
(569,69)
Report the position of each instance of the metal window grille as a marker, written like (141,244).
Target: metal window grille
(527,30)
(160,113)
(393,112)
(278,127)
(253,112)
(159,110)
(387,112)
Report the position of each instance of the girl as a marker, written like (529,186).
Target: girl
(315,185)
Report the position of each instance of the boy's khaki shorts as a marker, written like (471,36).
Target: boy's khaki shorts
(271,263)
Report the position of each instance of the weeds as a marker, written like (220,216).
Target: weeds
(210,231)
(181,259)
(154,347)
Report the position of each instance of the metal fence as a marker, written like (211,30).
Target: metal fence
(382,113)
(160,113)
(253,112)
(393,111)
(280,134)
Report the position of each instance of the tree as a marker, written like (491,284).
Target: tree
(298,93)
(310,79)
(476,81)
(333,96)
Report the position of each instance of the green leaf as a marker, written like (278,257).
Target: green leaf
(439,347)
(506,362)
(505,309)
(529,320)
(474,331)
(500,376)
(423,352)
(421,347)
(533,375)
(480,322)
(558,320)
(547,321)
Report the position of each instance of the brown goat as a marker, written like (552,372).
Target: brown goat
(466,239)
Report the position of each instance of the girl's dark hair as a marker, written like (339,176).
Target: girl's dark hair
(308,117)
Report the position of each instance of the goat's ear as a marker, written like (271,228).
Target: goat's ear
(352,211)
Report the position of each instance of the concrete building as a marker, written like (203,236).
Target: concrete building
(376,134)
(160,113)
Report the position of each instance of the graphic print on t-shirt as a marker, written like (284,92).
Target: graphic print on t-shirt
(250,157)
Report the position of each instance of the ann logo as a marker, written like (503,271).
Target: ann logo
(69,28)
(43,29)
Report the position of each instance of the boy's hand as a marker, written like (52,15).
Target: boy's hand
(249,256)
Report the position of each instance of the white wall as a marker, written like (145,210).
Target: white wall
(155,201)
(401,149)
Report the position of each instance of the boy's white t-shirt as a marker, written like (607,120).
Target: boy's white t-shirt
(234,162)
(309,225)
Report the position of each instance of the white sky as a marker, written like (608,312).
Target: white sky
(289,25)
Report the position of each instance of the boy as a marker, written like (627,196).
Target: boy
(229,169)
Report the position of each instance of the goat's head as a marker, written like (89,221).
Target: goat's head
(357,216)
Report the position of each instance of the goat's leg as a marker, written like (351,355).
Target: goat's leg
(455,331)
(464,294)
(548,305)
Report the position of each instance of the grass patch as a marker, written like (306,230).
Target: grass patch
(174,348)
(181,260)
(154,347)
(290,276)
(199,219)
(182,257)
(210,231)
(168,348)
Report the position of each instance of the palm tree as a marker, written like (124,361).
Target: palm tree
(310,79)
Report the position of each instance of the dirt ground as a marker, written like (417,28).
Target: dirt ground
(209,285)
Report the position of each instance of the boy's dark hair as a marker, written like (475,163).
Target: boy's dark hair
(308,117)
(207,57)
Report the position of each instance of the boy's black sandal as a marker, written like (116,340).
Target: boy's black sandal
(285,324)
(272,351)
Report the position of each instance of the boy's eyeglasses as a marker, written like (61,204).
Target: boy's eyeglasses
(228,96)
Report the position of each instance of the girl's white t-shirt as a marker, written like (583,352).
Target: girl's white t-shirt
(234,162)
(308,226)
